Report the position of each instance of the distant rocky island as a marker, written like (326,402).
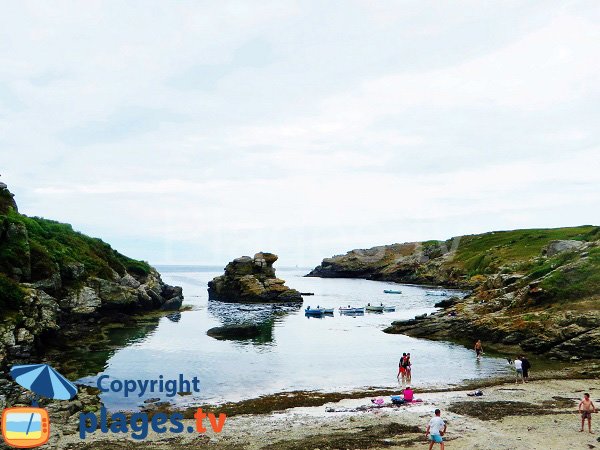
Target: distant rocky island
(252,280)
(538,289)
(54,280)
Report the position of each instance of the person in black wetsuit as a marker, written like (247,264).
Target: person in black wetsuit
(526,366)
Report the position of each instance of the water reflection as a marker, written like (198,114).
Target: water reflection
(259,317)
(83,358)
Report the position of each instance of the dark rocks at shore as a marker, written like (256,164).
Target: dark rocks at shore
(245,331)
(252,280)
(50,291)
(447,302)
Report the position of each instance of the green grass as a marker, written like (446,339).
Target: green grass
(11,294)
(578,282)
(486,253)
(54,245)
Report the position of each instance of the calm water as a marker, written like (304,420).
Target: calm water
(293,352)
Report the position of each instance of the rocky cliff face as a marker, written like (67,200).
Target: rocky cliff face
(538,289)
(53,278)
(252,280)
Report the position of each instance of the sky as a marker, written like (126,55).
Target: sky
(198,131)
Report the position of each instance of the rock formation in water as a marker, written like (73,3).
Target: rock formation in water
(54,279)
(538,289)
(252,280)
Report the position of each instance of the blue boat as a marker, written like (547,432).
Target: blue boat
(391,291)
(317,312)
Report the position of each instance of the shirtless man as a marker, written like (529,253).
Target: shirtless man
(478,348)
(586,408)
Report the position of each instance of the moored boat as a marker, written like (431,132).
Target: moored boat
(313,311)
(392,291)
(350,310)
(374,308)
(437,293)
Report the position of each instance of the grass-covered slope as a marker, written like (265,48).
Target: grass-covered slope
(34,249)
(514,250)
(537,288)
(463,261)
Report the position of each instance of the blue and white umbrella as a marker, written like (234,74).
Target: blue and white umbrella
(44,381)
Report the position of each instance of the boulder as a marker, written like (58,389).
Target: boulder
(447,302)
(173,304)
(82,301)
(556,247)
(244,331)
(252,280)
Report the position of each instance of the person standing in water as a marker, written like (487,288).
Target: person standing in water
(586,408)
(401,369)
(478,348)
(408,368)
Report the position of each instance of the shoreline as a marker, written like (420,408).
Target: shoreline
(507,416)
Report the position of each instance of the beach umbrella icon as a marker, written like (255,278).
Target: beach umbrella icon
(44,381)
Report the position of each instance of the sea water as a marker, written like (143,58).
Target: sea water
(292,352)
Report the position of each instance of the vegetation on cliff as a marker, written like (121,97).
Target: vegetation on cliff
(53,278)
(538,288)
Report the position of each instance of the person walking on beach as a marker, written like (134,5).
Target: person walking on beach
(402,369)
(519,368)
(435,430)
(586,408)
(478,348)
(526,366)
(408,368)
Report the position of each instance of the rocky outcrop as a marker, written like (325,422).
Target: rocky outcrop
(556,247)
(410,262)
(537,288)
(252,280)
(53,279)
(553,309)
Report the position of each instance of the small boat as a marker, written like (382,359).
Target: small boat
(307,293)
(374,308)
(437,293)
(389,308)
(391,291)
(313,311)
(349,310)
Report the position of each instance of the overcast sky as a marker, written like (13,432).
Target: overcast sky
(195,132)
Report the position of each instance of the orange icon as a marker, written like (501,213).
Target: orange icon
(24,427)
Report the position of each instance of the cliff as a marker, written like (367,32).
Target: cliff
(252,280)
(53,278)
(538,289)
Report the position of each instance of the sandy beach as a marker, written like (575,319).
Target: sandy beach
(537,415)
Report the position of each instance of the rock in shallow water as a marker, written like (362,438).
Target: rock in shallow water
(252,280)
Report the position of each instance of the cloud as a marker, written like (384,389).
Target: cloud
(210,130)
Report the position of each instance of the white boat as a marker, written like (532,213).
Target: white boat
(350,310)
(437,293)
(374,308)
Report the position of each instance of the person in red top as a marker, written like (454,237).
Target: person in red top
(402,369)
